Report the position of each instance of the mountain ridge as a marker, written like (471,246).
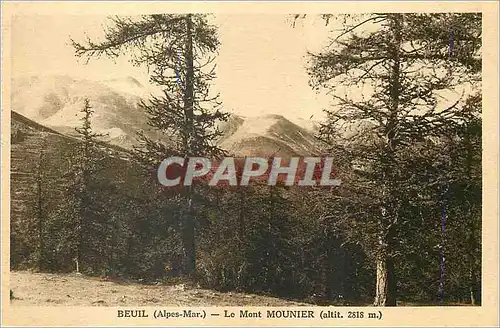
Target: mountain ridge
(55,102)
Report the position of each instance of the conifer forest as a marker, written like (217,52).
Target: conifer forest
(403,126)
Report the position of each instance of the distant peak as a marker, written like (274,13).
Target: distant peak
(127,81)
(133,80)
(274,116)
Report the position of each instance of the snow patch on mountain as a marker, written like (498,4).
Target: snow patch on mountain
(132,86)
(269,134)
(56,101)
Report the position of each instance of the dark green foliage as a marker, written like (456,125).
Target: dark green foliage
(85,208)
(37,160)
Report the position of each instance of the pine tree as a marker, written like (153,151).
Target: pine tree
(178,51)
(84,190)
(462,157)
(402,61)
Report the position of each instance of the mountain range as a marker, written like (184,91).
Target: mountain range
(55,102)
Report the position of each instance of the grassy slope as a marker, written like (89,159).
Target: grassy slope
(44,289)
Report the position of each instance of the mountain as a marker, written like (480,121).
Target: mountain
(310,125)
(55,102)
(267,135)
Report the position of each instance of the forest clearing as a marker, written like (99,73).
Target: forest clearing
(49,289)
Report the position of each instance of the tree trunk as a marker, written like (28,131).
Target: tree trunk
(385,292)
(188,229)
(386,282)
(474,290)
(188,239)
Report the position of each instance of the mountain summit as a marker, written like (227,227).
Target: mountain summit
(267,135)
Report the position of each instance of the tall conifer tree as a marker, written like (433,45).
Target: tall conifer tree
(178,50)
(386,74)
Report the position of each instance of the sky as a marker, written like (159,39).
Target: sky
(260,67)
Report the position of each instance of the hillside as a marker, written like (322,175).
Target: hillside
(38,152)
(45,289)
(30,142)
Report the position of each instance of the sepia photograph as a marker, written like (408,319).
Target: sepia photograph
(300,160)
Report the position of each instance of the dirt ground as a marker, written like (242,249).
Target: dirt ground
(46,289)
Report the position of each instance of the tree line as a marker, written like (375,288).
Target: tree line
(405,225)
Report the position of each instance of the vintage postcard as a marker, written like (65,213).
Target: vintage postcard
(250,164)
